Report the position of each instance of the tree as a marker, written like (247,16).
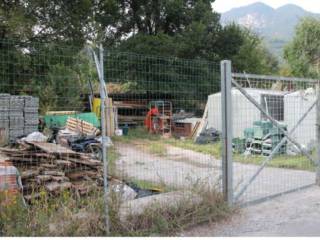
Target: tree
(16,22)
(180,28)
(246,50)
(303,53)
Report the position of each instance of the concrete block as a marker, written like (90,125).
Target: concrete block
(168,200)
(31,102)
(4,132)
(16,123)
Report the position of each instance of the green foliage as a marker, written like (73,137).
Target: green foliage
(65,215)
(302,54)
(47,59)
(57,74)
(247,51)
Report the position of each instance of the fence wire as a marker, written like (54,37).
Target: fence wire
(266,161)
(161,101)
(44,88)
(163,121)
(157,111)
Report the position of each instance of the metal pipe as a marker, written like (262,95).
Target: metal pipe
(227,179)
(318,137)
(273,78)
(104,138)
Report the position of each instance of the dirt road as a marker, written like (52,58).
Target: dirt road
(182,168)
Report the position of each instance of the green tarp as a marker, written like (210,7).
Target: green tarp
(61,120)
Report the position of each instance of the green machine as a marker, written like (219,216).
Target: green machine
(260,139)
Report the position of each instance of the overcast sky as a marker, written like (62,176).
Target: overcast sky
(225,5)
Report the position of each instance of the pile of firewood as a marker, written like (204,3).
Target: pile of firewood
(53,168)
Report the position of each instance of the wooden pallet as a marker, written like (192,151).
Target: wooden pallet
(78,125)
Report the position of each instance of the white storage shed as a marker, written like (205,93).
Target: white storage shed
(295,105)
(283,106)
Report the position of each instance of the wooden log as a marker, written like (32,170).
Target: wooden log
(43,178)
(90,163)
(29,173)
(61,112)
(53,148)
(53,173)
(60,178)
(49,166)
(64,163)
(84,187)
(55,187)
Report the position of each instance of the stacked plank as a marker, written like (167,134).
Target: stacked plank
(110,117)
(83,127)
(202,125)
(53,168)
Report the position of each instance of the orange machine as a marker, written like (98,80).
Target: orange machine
(159,117)
(153,122)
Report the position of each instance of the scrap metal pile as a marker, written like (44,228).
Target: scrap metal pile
(261,139)
(53,168)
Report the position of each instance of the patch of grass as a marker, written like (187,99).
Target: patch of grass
(281,161)
(113,156)
(136,134)
(213,149)
(169,219)
(156,145)
(69,215)
(157,148)
(143,184)
(64,215)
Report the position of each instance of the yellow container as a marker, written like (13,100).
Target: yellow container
(96,106)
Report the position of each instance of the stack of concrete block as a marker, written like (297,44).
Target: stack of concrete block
(31,116)
(16,119)
(4,118)
(18,116)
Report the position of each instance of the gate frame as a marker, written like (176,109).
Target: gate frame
(226,102)
(226,135)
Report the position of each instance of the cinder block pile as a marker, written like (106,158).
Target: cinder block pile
(16,119)
(4,118)
(18,115)
(31,116)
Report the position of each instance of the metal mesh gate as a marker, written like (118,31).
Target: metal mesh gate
(274,135)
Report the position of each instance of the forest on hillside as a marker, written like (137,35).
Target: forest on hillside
(42,45)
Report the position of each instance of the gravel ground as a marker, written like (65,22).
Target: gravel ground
(294,214)
(181,168)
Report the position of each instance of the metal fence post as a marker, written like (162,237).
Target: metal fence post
(226,103)
(103,94)
(318,136)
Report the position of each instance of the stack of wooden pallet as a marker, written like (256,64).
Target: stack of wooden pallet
(53,168)
(80,126)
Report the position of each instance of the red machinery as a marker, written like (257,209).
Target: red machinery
(158,119)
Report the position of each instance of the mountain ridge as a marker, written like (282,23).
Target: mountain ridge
(276,25)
